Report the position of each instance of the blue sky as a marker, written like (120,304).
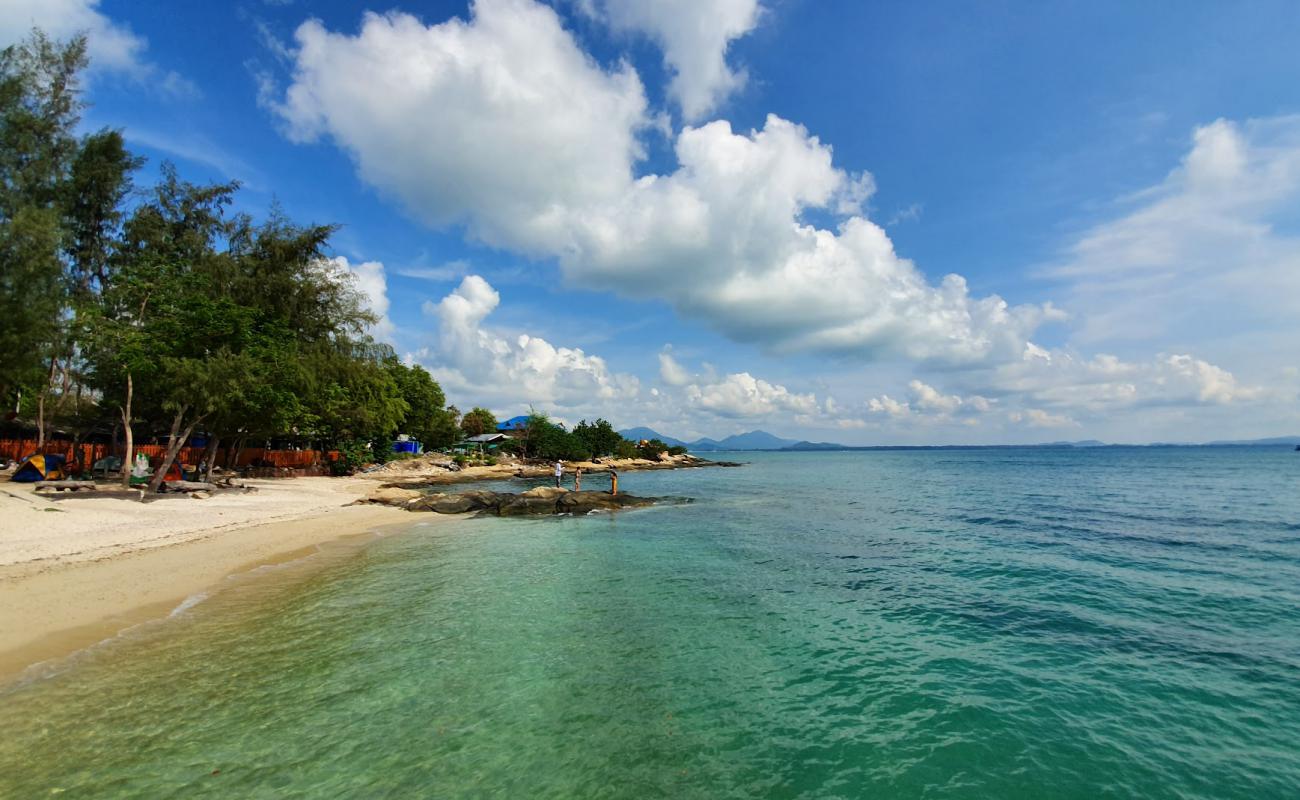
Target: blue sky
(715,216)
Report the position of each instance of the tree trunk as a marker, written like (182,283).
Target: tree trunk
(174,444)
(130,440)
(210,458)
(239,451)
(40,423)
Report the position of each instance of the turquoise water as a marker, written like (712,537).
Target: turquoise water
(997,623)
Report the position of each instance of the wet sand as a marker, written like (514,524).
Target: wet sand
(90,567)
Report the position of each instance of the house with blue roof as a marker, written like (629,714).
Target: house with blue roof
(515,426)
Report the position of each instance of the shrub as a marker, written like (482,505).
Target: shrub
(651,449)
(353,454)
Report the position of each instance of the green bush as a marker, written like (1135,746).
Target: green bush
(677,450)
(651,449)
(353,454)
(625,449)
(550,441)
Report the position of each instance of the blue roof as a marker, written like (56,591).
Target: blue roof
(513,424)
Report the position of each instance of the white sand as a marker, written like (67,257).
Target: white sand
(77,568)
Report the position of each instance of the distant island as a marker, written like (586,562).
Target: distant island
(764,441)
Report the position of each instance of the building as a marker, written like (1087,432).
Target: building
(515,427)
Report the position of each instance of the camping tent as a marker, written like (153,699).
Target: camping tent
(39,468)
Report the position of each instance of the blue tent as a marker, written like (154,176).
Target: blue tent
(514,424)
(39,468)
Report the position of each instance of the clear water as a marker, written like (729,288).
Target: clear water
(999,623)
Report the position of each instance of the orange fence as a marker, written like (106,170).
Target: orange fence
(88,454)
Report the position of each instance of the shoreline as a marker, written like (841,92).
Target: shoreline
(78,569)
(55,606)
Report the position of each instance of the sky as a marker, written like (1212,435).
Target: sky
(866,223)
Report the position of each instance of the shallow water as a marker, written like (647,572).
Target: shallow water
(995,623)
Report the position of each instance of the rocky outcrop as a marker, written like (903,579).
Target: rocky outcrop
(541,500)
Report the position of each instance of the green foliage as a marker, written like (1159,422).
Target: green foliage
(220,324)
(425,417)
(651,449)
(353,455)
(478,421)
(550,441)
(599,437)
(40,107)
(625,449)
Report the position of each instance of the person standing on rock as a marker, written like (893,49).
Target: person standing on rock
(577,479)
(613,481)
(559,473)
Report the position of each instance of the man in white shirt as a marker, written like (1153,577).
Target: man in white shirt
(559,473)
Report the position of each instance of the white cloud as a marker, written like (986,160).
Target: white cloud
(449,271)
(671,372)
(111,46)
(1038,418)
(929,398)
(1106,384)
(1206,256)
(477,362)
(495,122)
(888,405)
(504,124)
(694,36)
(743,395)
(926,402)
(369,279)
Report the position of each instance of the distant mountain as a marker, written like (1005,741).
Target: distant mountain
(637,434)
(815,446)
(1081,443)
(1260,442)
(754,440)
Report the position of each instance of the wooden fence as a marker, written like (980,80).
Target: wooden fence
(87,454)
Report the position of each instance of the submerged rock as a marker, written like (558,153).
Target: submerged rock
(541,500)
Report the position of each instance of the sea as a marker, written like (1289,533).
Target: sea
(997,623)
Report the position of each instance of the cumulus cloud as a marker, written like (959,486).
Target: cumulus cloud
(111,46)
(497,122)
(370,280)
(504,124)
(471,358)
(743,395)
(925,401)
(694,36)
(1106,383)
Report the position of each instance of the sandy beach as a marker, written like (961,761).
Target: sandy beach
(78,568)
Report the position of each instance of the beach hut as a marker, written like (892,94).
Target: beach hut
(39,468)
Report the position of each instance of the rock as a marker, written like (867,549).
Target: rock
(548,492)
(391,496)
(540,500)
(200,495)
(522,504)
(442,503)
(585,502)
